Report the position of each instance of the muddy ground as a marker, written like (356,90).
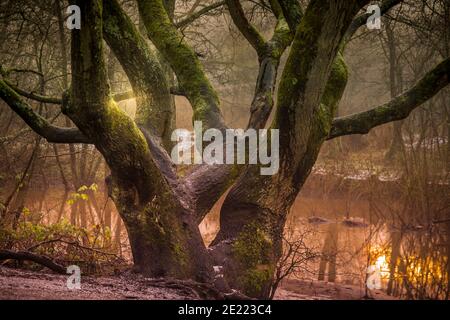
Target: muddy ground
(20,284)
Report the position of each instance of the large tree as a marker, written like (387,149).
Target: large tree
(162,210)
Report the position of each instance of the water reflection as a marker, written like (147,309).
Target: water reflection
(411,260)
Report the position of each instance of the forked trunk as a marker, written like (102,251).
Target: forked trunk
(164,236)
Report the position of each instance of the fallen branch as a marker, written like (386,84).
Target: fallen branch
(29,256)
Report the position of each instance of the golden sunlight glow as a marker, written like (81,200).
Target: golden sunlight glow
(383,266)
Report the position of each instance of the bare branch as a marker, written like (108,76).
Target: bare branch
(248,31)
(17,70)
(34,96)
(397,109)
(120,96)
(39,125)
(360,20)
(30,95)
(198,14)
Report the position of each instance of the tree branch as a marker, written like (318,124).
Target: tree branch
(196,15)
(184,62)
(115,134)
(39,124)
(360,20)
(120,96)
(34,96)
(30,95)
(397,109)
(208,182)
(248,31)
(39,259)
(154,107)
(52,100)
(292,12)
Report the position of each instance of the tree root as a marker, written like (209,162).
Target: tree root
(198,289)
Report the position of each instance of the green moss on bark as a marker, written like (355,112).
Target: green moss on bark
(253,251)
(184,62)
(155,110)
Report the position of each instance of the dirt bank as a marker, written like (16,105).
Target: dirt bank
(27,285)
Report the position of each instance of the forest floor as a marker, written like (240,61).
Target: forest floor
(20,284)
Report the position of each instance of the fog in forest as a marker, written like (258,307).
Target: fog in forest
(373,207)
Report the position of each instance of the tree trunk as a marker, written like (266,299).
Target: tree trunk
(397,145)
(117,235)
(396,80)
(329,254)
(396,239)
(83,214)
(163,232)
(164,237)
(252,221)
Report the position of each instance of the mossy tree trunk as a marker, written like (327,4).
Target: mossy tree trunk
(155,109)
(163,234)
(308,91)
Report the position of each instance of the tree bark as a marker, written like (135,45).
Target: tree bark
(252,221)
(164,236)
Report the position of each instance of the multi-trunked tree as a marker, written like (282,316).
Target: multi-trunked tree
(162,210)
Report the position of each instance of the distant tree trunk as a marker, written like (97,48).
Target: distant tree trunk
(65,183)
(65,78)
(117,233)
(82,181)
(108,214)
(109,204)
(63,205)
(397,144)
(83,214)
(329,254)
(18,204)
(395,81)
(396,240)
(74,214)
